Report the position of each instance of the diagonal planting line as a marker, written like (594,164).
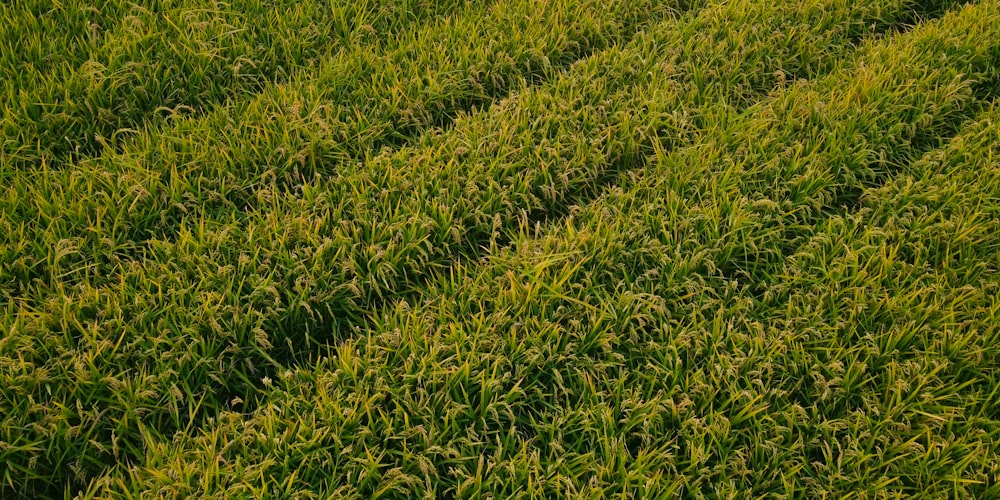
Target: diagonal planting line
(83,444)
(779,218)
(221,303)
(812,193)
(498,373)
(95,212)
(668,120)
(738,190)
(214,166)
(689,44)
(841,197)
(726,185)
(947,188)
(906,323)
(422,208)
(175,55)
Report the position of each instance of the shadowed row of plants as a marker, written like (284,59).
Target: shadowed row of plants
(181,335)
(83,75)
(105,209)
(636,349)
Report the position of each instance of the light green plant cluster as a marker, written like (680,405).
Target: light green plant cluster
(526,249)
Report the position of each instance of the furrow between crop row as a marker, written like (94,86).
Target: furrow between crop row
(613,354)
(167,57)
(103,210)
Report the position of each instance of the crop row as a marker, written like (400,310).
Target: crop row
(721,325)
(78,223)
(178,335)
(84,74)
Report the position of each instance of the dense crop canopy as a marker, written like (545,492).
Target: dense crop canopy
(567,248)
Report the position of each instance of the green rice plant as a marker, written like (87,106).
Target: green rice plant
(190,330)
(652,343)
(107,207)
(40,37)
(119,65)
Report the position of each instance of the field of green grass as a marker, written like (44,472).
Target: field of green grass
(484,248)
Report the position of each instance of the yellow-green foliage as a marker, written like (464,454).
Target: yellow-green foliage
(539,249)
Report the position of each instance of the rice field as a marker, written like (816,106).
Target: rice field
(499,249)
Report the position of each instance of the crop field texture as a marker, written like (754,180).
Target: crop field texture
(499,249)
